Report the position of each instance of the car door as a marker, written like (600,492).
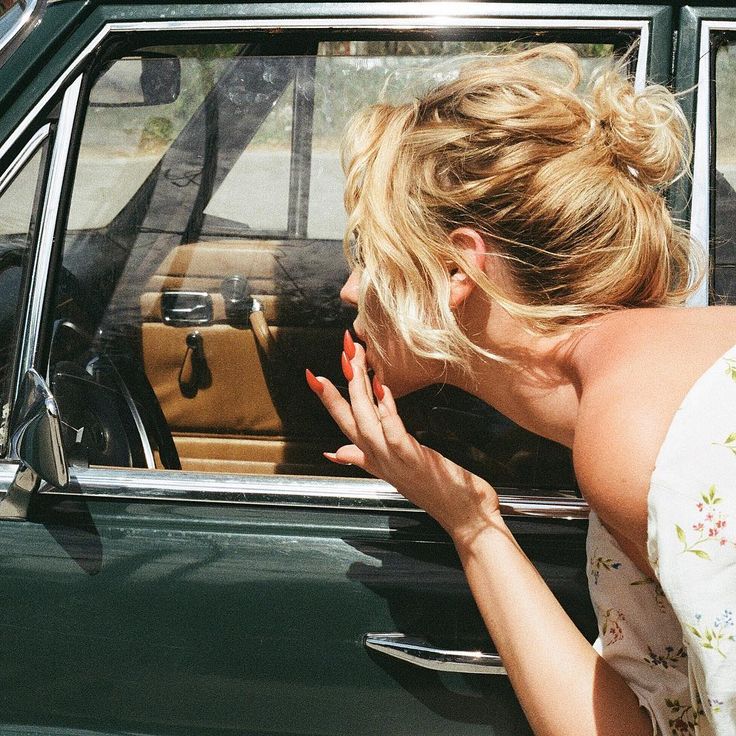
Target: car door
(205,570)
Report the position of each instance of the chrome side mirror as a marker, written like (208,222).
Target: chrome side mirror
(36,441)
(36,444)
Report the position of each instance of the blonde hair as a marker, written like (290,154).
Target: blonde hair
(565,187)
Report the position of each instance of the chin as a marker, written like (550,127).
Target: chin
(403,385)
(402,379)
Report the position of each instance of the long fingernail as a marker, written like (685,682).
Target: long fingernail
(313,383)
(347,369)
(333,458)
(378,389)
(348,345)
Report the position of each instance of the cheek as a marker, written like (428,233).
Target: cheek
(386,364)
(399,370)
(397,367)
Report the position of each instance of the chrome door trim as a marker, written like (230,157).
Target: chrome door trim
(424,21)
(32,9)
(455,15)
(417,652)
(47,226)
(700,208)
(25,155)
(313,492)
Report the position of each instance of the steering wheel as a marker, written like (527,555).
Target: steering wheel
(109,411)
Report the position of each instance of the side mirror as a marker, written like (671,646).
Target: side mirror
(36,444)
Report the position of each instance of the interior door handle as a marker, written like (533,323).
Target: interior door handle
(418,652)
(261,331)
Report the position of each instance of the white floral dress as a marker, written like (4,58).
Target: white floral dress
(674,638)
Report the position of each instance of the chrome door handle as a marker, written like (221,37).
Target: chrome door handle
(418,652)
(185,308)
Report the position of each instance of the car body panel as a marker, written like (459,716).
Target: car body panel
(168,618)
(152,602)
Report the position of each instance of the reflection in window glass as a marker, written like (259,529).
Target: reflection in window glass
(11,11)
(255,192)
(6,5)
(723,250)
(16,205)
(127,132)
(18,209)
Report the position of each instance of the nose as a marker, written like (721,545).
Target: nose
(349,291)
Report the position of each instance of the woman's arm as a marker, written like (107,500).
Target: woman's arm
(563,685)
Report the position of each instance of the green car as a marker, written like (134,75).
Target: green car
(176,556)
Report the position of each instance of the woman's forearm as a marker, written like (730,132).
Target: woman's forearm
(562,683)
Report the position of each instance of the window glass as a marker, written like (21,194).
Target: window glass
(11,12)
(18,216)
(255,192)
(131,123)
(723,251)
(391,71)
(205,242)
(7,5)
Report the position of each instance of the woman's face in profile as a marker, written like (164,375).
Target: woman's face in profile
(399,369)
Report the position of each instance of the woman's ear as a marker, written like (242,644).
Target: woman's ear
(474,251)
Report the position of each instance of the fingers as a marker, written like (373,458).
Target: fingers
(397,438)
(370,425)
(347,455)
(332,400)
(361,399)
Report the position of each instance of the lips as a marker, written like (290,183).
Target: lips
(358,333)
(358,336)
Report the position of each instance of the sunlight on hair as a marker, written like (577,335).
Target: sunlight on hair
(564,182)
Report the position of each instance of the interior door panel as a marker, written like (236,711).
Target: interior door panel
(250,409)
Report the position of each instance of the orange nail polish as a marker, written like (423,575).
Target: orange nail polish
(378,389)
(313,383)
(347,369)
(348,345)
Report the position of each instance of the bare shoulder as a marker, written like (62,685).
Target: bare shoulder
(635,368)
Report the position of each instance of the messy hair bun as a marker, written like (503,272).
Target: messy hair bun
(645,131)
(565,186)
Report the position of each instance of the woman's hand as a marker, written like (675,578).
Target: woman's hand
(462,502)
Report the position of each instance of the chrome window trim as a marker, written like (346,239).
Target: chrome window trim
(26,154)
(31,10)
(301,491)
(177,486)
(700,208)
(423,20)
(47,227)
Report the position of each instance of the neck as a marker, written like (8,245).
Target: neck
(535,384)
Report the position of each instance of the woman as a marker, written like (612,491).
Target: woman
(509,236)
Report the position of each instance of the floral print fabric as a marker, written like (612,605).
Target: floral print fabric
(674,638)
(639,634)
(692,538)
